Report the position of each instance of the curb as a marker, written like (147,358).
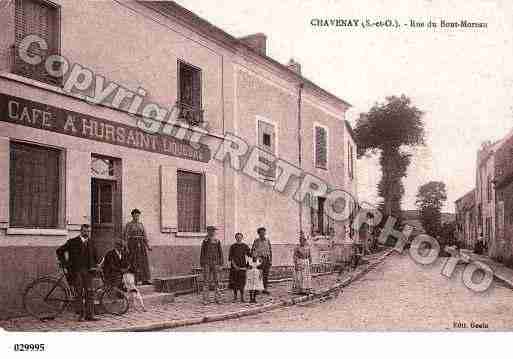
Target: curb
(253,311)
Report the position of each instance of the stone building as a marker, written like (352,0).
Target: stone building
(503,185)
(466,219)
(87,134)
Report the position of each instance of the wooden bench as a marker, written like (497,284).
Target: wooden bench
(179,284)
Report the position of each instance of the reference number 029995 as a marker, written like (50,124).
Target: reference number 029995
(29,347)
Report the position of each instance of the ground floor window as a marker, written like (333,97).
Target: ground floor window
(190,201)
(34,186)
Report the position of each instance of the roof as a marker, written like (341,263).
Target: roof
(181,14)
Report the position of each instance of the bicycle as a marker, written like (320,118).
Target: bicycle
(47,297)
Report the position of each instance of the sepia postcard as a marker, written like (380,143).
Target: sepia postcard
(242,166)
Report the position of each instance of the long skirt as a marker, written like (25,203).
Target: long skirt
(302,277)
(139,260)
(254,279)
(237,279)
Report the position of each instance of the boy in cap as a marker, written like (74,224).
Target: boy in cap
(211,261)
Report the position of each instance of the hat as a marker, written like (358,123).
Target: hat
(261,229)
(134,211)
(211,228)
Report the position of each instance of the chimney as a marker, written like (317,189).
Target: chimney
(294,66)
(256,41)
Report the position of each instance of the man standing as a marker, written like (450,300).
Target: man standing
(211,261)
(81,262)
(262,249)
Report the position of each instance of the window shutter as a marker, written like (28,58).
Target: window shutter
(189,199)
(168,199)
(212,194)
(34,184)
(4,182)
(196,89)
(78,187)
(321,155)
(265,128)
(42,19)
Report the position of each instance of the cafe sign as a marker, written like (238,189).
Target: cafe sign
(37,115)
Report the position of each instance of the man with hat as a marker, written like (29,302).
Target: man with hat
(115,264)
(211,261)
(262,249)
(79,257)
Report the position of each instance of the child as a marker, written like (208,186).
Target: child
(129,282)
(254,281)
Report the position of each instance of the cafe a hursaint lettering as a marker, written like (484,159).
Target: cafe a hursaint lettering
(33,114)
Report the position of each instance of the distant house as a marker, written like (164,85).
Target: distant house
(466,223)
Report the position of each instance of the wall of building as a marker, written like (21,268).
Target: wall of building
(136,47)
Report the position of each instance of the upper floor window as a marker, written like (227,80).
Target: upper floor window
(321,147)
(34,186)
(267,142)
(189,93)
(41,18)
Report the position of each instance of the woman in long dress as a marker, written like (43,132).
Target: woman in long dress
(238,266)
(302,283)
(138,247)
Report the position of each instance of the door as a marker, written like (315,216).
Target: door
(105,226)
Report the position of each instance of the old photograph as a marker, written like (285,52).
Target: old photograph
(242,166)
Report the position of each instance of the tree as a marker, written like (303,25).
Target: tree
(430,200)
(391,129)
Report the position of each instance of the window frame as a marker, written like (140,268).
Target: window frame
(203,201)
(57,82)
(60,228)
(274,125)
(180,63)
(326,129)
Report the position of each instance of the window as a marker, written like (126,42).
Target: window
(267,142)
(190,201)
(37,17)
(102,201)
(321,223)
(34,186)
(189,94)
(321,149)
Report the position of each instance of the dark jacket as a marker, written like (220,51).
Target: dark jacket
(211,253)
(80,256)
(114,267)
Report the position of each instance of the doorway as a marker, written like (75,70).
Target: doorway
(105,204)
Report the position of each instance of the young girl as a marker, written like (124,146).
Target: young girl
(254,281)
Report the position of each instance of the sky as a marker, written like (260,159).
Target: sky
(461,78)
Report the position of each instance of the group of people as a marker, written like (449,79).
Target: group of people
(249,268)
(124,266)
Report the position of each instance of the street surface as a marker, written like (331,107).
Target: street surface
(397,295)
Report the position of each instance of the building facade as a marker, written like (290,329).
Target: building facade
(78,142)
(503,185)
(466,219)
(485,194)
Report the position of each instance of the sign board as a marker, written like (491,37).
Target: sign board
(37,115)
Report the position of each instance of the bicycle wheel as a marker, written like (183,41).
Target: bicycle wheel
(45,298)
(114,301)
